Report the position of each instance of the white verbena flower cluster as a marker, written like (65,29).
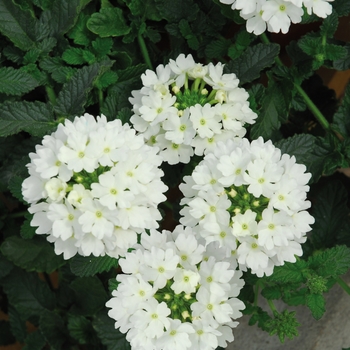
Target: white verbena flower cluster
(174,295)
(277,15)
(252,200)
(185,107)
(93,186)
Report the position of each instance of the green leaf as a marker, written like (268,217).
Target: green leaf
(91,265)
(15,187)
(343,63)
(274,110)
(330,212)
(271,293)
(89,294)
(74,94)
(27,293)
(34,117)
(6,337)
(17,25)
(307,150)
(289,273)
(5,266)
(61,17)
(316,304)
(102,46)
(53,329)
(112,338)
(80,328)
(13,54)
(27,231)
(341,120)
(329,25)
(32,255)
(18,325)
(106,79)
(342,7)
(80,33)
(255,59)
(74,55)
(15,81)
(63,75)
(113,284)
(187,33)
(124,115)
(335,52)
(108,22)
(34,341)
(176,10)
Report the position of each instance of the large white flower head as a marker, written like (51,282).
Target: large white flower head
(173,296)
(277,15)
(185,107)
(93,186)
(250,199)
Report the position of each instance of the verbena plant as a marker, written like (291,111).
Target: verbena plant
(64,58)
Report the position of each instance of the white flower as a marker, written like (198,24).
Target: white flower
(175,112)
(175,312)
(93,185)
(258,208)
(176,337)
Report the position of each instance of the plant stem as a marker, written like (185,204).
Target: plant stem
(100,98)
(144,51)
(51,94)
(272,306)
(312,107)
(343,284)
(17,215)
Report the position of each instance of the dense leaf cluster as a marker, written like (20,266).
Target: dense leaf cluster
(62,58)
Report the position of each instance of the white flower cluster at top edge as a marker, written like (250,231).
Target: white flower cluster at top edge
(185,107)
(93,186)
(174,294)
(277,15)
(252,200)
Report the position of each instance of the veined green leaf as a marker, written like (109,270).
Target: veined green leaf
(108,22)
(61,17)
(32,255)
(255,59)
(91,265)
(53,329)
(34,117)
(34,341)
(73,96)
(316,304)
(17,25)
(16,81)
(27,293)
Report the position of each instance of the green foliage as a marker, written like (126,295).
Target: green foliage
(108,22)
(91,265)
(31,255)
(15,81)
(35,118)
(253,60)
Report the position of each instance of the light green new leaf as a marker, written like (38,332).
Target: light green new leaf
(108,22)
(333,262)
(27,293)
(316,304)
(32,255)
(91,265)
(73,96)
(34,117)
(17,25)
(16,81)
(255,59)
